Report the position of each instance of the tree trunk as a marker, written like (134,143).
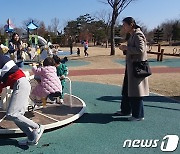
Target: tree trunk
(107,43)
(94,41)
(113,22)
(112,39)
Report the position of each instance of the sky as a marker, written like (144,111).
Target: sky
(151,13)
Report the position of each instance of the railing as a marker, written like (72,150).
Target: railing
(160,53)
(70,90)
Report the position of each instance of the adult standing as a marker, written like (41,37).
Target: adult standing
(134,89)
(85,44)
(70,42)
(15,49)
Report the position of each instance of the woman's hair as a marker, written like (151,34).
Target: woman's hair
(49,62)
(14,41)
(128,35)
(129,21)
(57,60)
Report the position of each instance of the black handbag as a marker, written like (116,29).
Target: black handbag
(141,69)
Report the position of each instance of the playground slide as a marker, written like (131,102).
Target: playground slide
(42,40)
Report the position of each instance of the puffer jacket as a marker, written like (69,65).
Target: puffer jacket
(50,82)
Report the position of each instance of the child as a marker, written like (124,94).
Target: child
(11,75)
(50,82)
(64,60)
(62,72)
(78,51)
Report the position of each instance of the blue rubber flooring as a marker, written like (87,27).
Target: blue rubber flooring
(66,53)
(172,62)
(70,63)
(99,132)
(76,63)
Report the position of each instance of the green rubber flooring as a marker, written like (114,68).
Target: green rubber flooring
(171,62)
(76,63)
(99,132)
(70,63)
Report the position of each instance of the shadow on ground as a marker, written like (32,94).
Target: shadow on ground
(160,99)
(12,142)
(100,118)
(147,101)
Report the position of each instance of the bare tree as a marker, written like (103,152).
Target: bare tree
(20,31)
(42,29)
(168,28)
(49,28)
(1,29)
(105,16)
(118,6)
(55,25)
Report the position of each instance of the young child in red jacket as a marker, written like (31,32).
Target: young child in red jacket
(11,75)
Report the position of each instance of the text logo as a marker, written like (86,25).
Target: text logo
(169,143)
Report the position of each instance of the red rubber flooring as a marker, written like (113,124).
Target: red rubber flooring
(119,71)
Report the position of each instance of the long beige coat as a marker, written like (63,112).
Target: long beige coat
(136,51)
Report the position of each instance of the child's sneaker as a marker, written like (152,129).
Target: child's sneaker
(51,101)
(38,102)
(38,133)
(61,101)
(37,107)
(27,142)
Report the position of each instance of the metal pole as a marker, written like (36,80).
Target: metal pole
(70,91)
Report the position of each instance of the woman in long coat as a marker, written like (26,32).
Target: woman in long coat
(134,89)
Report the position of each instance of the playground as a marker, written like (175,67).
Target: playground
(98,130)
(90,77)
(86,123)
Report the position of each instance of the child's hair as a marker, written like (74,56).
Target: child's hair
(65,59)
(51,46)
(56,59)
(49,62)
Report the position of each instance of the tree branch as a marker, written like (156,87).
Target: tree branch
(122,8)
(110,2)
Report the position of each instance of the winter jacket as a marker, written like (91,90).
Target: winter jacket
(50,82)
(15,55)
(62,70)
(85,45)
(136,51)
(9,72)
